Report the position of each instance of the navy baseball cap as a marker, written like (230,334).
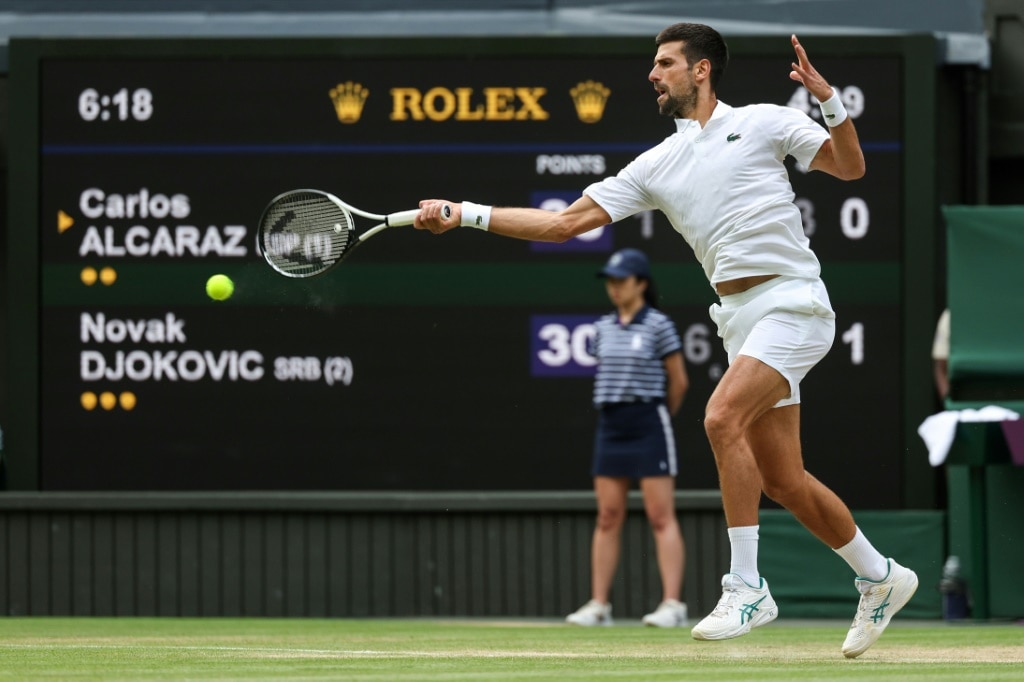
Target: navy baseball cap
(626,262)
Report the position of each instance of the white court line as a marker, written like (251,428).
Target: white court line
(336,653)
(996,654)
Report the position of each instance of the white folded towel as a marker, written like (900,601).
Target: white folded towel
(938,430)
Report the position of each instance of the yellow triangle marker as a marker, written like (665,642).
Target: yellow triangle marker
(64,221)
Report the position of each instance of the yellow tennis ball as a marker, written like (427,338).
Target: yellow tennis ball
(220,287)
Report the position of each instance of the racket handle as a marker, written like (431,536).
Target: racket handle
(402,217)
(407,217)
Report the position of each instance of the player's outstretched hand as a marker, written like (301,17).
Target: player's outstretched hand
(432,216)
(804,73)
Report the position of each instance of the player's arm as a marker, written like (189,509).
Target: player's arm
(840,155)
(533,224)
(677,381)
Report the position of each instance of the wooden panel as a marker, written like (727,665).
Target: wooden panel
(126,576)
(317,571)
(60,564)
(508,543)
(226,543)
(325,557)
(569,579)
(425,580)
(253,603)
(104,574)
(168,566)
(379,565)
(359,553)
(17,565)
(146,565)
(531,565)
(81,590)
(476,566)
(273,558)
(217,568)
(406,564)
(5,565)
(40,564)
(189,586)
(339,573)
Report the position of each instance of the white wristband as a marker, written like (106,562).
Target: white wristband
(832,110)
(475,215)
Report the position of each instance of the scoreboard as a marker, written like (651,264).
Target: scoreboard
(456,362)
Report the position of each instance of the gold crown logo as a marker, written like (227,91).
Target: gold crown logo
(348,98)
(590,98)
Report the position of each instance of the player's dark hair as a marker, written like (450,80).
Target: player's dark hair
(650,293)
(699,42)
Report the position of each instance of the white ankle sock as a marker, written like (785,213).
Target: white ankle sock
(743,540)
(864,559)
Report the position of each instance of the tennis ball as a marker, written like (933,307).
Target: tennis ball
(220,287)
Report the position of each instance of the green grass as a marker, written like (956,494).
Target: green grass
(407,650)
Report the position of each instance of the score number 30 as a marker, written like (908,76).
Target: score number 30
(561,347)
(123,105)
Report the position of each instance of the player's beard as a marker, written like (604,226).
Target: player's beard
(680,105)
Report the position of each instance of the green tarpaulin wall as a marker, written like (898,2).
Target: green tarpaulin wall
(986,365)
(986,303)
(809,580)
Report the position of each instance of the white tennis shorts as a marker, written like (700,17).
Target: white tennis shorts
(787,323)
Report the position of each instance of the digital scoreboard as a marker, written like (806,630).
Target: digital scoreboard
(456,362)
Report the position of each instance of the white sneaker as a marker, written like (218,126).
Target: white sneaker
(879,602)
(740,609)
(669,614)
(590,614)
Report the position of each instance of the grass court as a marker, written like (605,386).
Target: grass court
(415,650)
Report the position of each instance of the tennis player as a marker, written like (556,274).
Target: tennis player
(641,381)
(721,182)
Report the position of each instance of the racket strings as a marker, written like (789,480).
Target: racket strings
(305,233)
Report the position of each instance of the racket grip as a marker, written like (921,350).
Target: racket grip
(407,217)
(402,217)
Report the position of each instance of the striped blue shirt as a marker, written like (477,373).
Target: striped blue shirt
(631,358)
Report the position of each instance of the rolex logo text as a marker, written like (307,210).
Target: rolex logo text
(468,104)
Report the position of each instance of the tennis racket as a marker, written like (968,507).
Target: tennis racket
(306,232)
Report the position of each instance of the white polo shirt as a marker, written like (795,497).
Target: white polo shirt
(725,189)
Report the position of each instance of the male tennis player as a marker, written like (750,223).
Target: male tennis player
(721,182)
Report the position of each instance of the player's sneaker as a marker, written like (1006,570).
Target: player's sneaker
(740,609)
(590,614)
(669,614)
(879,602)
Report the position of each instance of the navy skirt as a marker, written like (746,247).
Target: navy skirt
(634,440)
